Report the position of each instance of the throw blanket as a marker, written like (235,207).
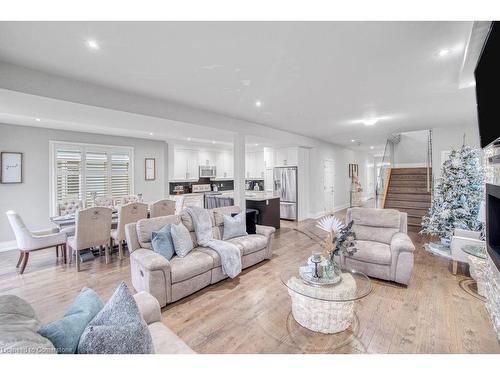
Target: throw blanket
(229,253)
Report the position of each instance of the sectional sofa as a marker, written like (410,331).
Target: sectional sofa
(169,281)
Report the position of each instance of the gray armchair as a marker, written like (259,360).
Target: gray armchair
(384,249)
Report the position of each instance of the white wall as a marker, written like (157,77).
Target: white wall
(31,198)
(411,151)
(342,158)
(451,137)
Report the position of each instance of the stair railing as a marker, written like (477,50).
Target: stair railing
(384,173)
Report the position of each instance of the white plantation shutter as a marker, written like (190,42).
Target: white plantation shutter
(120,175)
(81,170)
(96,176)
(68,175)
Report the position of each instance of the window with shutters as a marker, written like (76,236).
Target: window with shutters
(85,172)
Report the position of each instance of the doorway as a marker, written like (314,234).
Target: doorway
(328,185)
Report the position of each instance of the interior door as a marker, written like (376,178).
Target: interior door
(328,186)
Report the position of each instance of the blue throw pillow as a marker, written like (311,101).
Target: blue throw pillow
(162,242)
(65,333)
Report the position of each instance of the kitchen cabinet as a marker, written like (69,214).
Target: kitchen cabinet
(207,158)
(224,164)
(254,164)
(185,164)
(287,156)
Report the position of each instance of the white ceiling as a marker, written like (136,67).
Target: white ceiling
(317,79)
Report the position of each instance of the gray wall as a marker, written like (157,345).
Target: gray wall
(31,198)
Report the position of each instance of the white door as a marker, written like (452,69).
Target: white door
(328,186)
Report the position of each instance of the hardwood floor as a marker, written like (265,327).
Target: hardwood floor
(251,314)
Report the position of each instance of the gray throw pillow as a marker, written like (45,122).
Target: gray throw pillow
(235,226)
(183,243)
(65,333)
(162,242)
(118,328)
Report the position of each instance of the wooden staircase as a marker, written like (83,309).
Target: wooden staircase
(407,192)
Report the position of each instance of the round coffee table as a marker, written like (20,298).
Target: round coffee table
(477,267)
(326,308)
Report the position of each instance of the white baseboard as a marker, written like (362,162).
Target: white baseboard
(317,215)
(8,246)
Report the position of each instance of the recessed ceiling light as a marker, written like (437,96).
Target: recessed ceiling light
(372,147)
(189,139)
(92,44)
(443,52)
(213,142)
(150,133)
(258,103)
(256,144)
(370,121)
(37,119)
(353,140)
(471,84)
(246,82)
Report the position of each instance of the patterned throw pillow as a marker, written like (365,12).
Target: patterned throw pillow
(65,333)
(235,226)
(118,328)
(162,242)
(183,243)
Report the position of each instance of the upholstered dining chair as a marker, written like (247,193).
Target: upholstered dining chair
(129,213)
(92,230)
(129,199)
(163,207)
(104,202)
(28,241)
(69,206)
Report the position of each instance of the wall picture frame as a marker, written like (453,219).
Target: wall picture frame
(11,167)
(150,169)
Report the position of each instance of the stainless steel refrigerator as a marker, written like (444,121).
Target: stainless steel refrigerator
(285,187)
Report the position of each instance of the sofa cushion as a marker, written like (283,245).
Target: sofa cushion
(367,233)
(376,217)
(18,328)
(193,264)
(234,226)
(218,213)
(372,252)
(65,333)
(215,256)
(118,328)
(183,243)
(250,244)
(162,242)
(145,227)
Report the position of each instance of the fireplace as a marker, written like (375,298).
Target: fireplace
(493,223)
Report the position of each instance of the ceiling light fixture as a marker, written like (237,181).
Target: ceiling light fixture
(92,44)
(37,119)
(471,84)
(213,142)
(372,147)
(150,133)
(443,52)
(353,140)
(256,144)
(370,121)
(258,103)
(189,138)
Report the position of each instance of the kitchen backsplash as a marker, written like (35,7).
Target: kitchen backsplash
(184,187)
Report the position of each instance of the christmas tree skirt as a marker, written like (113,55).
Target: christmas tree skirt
(438,249)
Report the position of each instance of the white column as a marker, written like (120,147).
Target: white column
(239,170)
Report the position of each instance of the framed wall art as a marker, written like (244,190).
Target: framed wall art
(150,169)
(11,171)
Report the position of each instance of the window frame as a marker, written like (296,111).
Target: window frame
(54,146)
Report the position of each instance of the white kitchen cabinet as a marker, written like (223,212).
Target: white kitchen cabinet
(287,156)
(185,164)
(254,164)
(206,158)
(224,164)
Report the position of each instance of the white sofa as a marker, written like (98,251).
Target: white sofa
(19,327)
(169,281)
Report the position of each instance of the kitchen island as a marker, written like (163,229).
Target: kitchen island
(268,206)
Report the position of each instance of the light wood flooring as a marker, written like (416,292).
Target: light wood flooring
(251,314)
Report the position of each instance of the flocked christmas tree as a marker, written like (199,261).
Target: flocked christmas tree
(457,195)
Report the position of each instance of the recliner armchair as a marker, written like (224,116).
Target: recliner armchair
(385,251)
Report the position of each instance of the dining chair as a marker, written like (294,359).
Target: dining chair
(129,199)
(69,206)
(92,230)
(28,241)
(104,202)
(129,213)
(163,207)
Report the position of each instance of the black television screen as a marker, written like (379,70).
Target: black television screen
(487,74)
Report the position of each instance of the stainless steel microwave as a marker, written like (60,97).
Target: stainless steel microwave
(207,171)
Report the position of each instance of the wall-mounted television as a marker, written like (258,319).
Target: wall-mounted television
(487,74)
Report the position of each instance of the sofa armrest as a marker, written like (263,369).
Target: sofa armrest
(151,260)
(401,242)
(264,230)
(149,307)
(131,237)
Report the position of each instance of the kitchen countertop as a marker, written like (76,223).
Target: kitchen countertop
(260,197)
